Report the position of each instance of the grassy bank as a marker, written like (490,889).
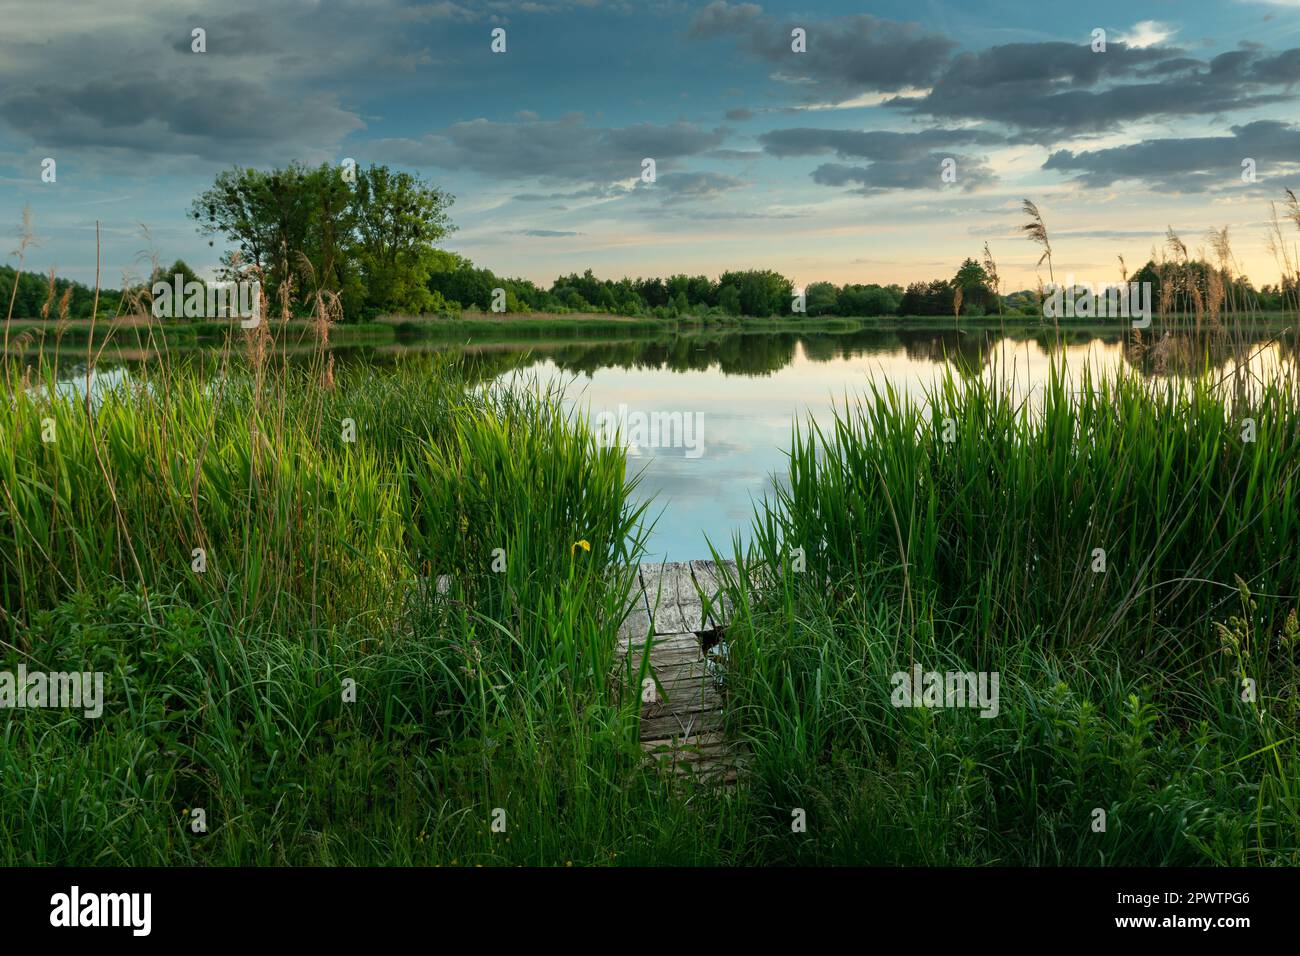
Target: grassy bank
(1158,687)
(320,705)
(227,689)
(142,332)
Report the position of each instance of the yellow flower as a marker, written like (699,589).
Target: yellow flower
(584,544)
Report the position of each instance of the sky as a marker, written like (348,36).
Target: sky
(826,164)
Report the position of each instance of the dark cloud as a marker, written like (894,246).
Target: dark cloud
(602,191)
(878,145)
(1177,64)
(899,160)
(1044,91)
(557,150)
(1282,69)
(886,176)
(1053,91)
(740,113)
(546,233)
(684,187)
(1191,164)
(220,117)
(122,88)
(845,56)
(227,35)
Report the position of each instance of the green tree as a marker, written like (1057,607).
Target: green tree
(821,298)
(973,281)
(371,242)
(729,299)
(869,300)
(398,220)
(761,292)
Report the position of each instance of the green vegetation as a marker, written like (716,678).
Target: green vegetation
(1121,690)
(367,238)
(226,689)
(32,295)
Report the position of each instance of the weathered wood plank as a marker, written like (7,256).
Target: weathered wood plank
(711,745)
(688,599)
(680,724)
(665,651)
(635,627)
(683,703)
(671,644)
(686,674)
(660,584)
(681,728)
(708,585)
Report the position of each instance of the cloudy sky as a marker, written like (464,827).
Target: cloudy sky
(825,164)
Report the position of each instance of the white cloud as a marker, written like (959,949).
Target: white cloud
(1147,33)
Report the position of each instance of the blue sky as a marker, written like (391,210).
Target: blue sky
(823,165)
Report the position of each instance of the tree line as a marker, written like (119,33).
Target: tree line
(369,238)
(36,296)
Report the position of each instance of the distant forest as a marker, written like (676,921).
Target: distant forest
(463,287)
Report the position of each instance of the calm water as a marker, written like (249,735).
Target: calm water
(724,404)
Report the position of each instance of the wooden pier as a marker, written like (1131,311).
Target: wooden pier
(677,614)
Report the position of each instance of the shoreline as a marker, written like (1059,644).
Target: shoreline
(397,329)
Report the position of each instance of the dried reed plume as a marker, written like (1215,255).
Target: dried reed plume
(991,270)
(26,237)
(1036,230)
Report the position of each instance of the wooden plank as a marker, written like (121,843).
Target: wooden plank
(670,684)
(689,677)
(702,741)
(671,644)
(711,745)
(660,584)
(681,684)
(681,729)
(635,627)
(665,650)
(705,771)
(708,584)
(685,707)
(684,676)
(688,599)
(680,725)
(634,614)
(670,701)
(662,659)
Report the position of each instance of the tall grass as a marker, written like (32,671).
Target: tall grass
(1122,690)
(997,504)
(226,688)
(490,692)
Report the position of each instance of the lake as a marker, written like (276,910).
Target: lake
(707,418)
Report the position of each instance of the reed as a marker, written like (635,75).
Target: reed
(1121,688)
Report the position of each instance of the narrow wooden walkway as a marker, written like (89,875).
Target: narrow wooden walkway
(678,612)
